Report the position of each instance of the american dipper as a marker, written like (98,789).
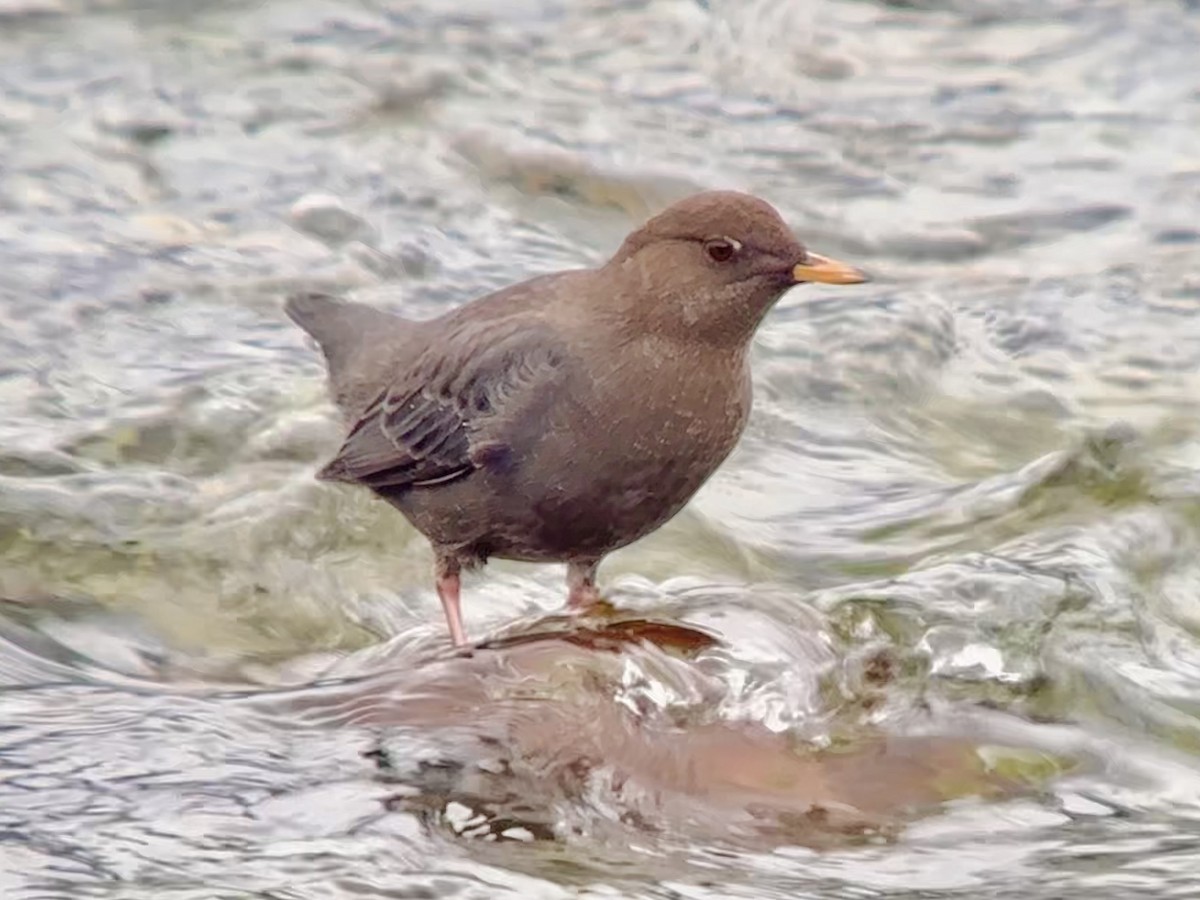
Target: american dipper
(566,416)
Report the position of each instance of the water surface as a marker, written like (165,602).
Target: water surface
(967,507)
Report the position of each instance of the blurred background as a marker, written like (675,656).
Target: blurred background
(982,469)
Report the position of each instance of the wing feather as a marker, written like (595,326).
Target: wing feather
(451,413)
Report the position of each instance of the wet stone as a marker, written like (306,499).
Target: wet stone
(326,218)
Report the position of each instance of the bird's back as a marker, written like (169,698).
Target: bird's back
(367,348)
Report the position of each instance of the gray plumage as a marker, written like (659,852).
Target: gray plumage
(569,415)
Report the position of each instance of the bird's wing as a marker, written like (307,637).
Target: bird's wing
(455,410)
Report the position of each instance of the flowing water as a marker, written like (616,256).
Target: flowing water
(966,514)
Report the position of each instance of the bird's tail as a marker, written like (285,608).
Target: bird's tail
(351,336)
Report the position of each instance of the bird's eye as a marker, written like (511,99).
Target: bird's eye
(722,249)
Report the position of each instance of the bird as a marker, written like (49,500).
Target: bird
(566,416)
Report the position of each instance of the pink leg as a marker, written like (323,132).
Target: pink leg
(581,584)
(448,585)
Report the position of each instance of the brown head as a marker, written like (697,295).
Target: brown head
(709,268)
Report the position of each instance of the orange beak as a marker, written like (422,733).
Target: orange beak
(824,270)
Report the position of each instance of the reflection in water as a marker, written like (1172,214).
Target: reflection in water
(949,576)
(587,736)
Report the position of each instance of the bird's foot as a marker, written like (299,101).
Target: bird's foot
(448,588)
(583,596)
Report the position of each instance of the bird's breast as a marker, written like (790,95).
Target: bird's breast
(634,454)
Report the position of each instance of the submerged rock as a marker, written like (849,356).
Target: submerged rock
(327,218)
(537,736)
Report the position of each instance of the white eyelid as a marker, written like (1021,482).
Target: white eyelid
(733,242)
